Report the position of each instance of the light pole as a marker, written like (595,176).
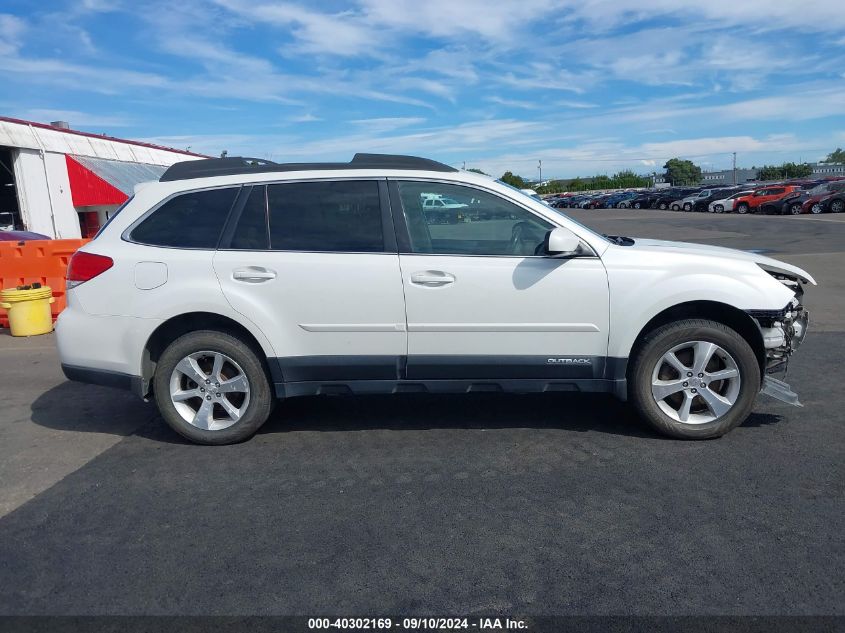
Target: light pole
(540,168)
(734,154)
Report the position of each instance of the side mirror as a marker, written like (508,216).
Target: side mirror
(562,243)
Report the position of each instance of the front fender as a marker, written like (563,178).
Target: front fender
(639,293)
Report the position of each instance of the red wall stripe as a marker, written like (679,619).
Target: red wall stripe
(88,189)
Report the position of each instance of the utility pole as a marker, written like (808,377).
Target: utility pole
(465,166)
(734,154)
(540,167)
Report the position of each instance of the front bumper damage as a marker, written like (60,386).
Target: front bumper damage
(783,332)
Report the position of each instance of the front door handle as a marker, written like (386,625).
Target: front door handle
(253,274)
(432,278)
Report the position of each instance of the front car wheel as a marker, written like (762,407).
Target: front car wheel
(694,379)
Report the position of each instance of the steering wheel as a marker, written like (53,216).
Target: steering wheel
(517,235)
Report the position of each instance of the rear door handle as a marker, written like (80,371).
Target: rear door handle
(432,278)
(253,274)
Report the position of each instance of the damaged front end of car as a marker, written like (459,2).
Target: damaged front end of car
(783,332)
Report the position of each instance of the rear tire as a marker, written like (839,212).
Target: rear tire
(214,415)
(837,206)
(742,208)
(713,409)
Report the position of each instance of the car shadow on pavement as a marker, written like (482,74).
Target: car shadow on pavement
(89,409)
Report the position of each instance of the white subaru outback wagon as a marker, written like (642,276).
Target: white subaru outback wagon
(232,282)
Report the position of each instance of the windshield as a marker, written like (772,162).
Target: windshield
(586,228)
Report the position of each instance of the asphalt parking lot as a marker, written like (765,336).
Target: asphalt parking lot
(477,504)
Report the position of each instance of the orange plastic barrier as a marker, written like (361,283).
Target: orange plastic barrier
(44,261)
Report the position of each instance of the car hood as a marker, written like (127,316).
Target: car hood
(767,263)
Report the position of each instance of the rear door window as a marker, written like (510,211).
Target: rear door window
(251,232)
(333,216)
(189,220)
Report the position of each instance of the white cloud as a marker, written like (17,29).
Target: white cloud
(344,33)
(11,33)
(577,105)
(492,21)
(75,118)
(753,15)
(304,118)
(380,125)
(513,103)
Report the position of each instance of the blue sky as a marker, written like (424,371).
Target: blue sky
(588,86)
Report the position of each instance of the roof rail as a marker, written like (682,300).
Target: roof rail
(240,165)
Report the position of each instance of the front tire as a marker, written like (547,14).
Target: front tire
(742,208)
(694,379)
(212,388)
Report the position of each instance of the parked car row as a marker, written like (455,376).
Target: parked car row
(792,198)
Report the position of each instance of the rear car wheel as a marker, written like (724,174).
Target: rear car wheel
(694,379)
(676,207)
(742,208)
(837,206)
(816,208)
(212,388)
(795,208)
(687,206)
(662,206)
(637,205)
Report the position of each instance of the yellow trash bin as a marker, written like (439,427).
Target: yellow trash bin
(29,310)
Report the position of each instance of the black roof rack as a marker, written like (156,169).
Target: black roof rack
(240,165)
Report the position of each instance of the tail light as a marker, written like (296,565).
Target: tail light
(84,266)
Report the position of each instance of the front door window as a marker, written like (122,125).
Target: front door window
(467,221)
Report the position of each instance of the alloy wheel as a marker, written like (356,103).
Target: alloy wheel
(695,382)
(209,390)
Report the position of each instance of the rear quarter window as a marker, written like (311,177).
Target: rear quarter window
(189,220)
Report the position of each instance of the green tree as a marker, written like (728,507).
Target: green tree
(797,170)
(786,170)
(475,170)
(513,180)
(682,172)
(836,156)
